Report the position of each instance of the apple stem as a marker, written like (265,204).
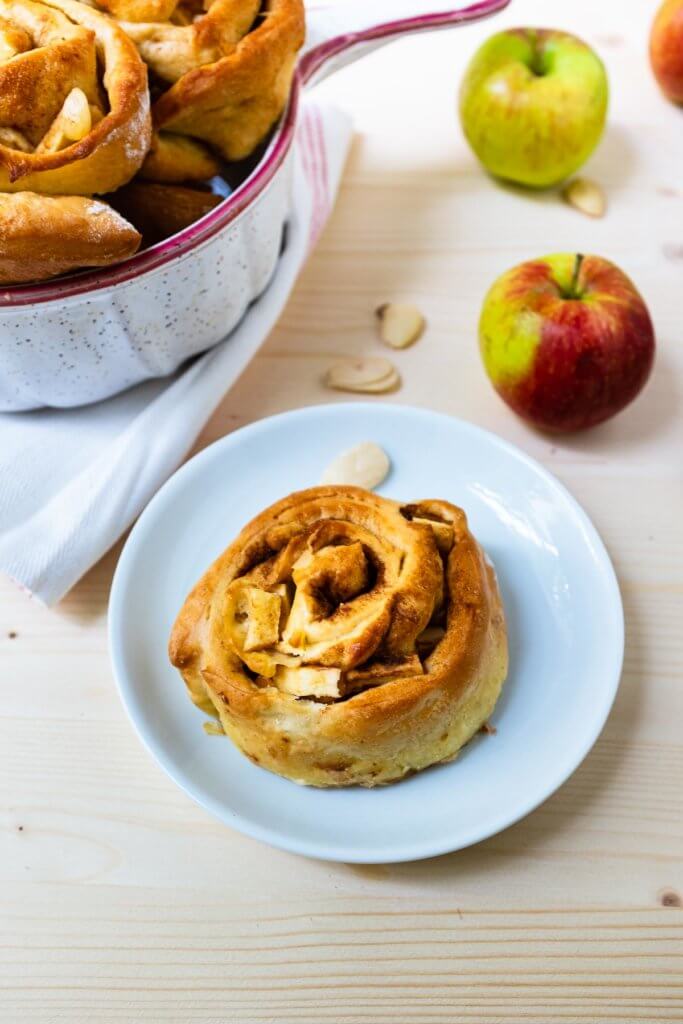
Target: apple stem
(574,286)
(537,57)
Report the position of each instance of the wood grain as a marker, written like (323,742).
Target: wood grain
(121,901)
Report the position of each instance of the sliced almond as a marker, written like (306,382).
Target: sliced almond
(400,324)
(368,376)
(384,386)
(77,115)
(72,123)
(586,196)
(366,465)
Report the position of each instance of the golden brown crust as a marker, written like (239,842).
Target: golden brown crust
(178,159)
(228,67)
(56,61)
(346,639)
(233,102)
(43,236)
(193,35)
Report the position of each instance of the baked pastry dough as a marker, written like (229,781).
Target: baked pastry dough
(346,639)
(221,69)
(75,115)
(74,121)
(74,101)
(177,160)
(158,211)
(43,236)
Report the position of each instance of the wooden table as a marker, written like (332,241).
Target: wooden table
(124,902)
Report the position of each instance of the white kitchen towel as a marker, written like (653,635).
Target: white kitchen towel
(71,481)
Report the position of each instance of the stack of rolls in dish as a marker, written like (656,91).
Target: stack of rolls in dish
(140,101)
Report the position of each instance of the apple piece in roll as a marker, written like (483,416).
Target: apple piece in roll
(74,101)
(346,639)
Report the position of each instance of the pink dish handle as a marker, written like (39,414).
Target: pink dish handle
(340,33)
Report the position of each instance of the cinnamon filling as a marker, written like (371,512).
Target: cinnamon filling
(322,618)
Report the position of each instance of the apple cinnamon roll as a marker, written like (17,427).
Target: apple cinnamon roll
(221,71)
(74,101)
(74,122)
(344,638)
(43,236)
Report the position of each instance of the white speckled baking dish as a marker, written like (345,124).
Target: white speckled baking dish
(88,336)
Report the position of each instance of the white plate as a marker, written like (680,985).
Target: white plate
(562,603)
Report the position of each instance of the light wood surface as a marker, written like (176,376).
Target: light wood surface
(121,901)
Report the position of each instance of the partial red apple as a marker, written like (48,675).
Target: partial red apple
(666,49)
(566,340)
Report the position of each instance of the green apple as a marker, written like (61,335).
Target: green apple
(533,105)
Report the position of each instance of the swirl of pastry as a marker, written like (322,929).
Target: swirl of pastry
(74,100)
(221,69)
(344,638)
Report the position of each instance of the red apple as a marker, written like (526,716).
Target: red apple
(666,49)
(566,340)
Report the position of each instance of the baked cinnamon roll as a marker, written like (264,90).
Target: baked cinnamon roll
(43,236)
(221,71)
(74,122)
(346,639)
(74,101)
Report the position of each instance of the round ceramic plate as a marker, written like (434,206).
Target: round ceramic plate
(562,605)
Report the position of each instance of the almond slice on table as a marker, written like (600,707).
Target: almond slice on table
(367,376)
(400,324)
(366,465)
(384,386)
(586,196)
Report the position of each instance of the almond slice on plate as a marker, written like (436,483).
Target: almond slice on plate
(400,324)
(366,376)
(586,196)
(366,465)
